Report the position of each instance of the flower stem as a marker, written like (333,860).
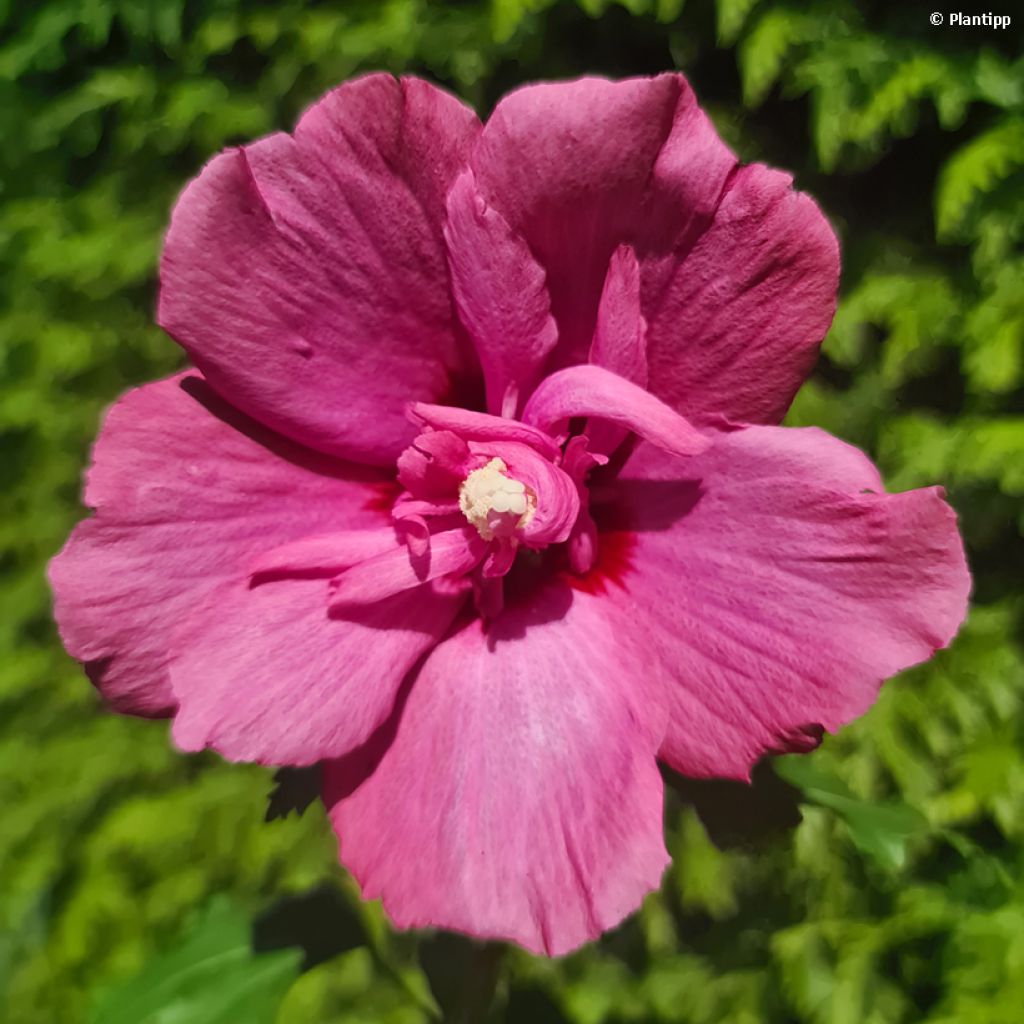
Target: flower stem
(481,983)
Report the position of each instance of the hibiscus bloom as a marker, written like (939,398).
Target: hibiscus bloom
(475,492)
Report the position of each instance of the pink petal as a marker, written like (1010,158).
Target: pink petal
(620,338)
(582,542)
(411,516)
(391,572)
(593,391)
(776,589)
(518,798)
(500,559)
(434,465)
(501,296)
(480,426)
(187,493)
(323,554)
(408,510)
(263,674)
(734,327)
(306,274)
(576,168)
(620,334)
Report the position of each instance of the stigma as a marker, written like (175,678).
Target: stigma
(494,503)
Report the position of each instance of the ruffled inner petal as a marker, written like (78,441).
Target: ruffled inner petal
(479,426)
(594,391)
(322,554)
(434,465)
(577,168)
(501,296)
(451,552)
(620,339)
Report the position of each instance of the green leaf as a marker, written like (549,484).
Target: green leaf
(763,53)
(704,875)
(880,831)
(975,169)
(732,16)
(506,15)
(211,977)
(999,82)
(666,11)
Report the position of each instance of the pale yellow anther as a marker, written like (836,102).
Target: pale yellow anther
(494,503)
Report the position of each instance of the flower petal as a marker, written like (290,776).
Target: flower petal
(320,555)
(734,326)
(777,588)
(517,797)
(576,168)
(480,426)
(451,552)
(593,391)
(620,334)
(263,674)
(620,338)
(434,465)
(582,541)
(305,274)
(187,493)
(501,296)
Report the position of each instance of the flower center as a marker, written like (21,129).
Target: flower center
(494,503)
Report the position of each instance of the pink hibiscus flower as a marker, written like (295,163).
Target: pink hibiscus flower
(475,492)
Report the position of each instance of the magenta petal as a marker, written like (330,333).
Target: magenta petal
(499,561)
(264,674)
(578,167)
(734,327)
(306,274)
(480,426)
(501,296)
(582,542)
(408,509)
(593,391)
(620,334)
(323,554)
(519,797)
(452,552)
(777,589)
(620,338)
(187,494)
(434,465)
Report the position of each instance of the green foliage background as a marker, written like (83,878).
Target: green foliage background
(898,896)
